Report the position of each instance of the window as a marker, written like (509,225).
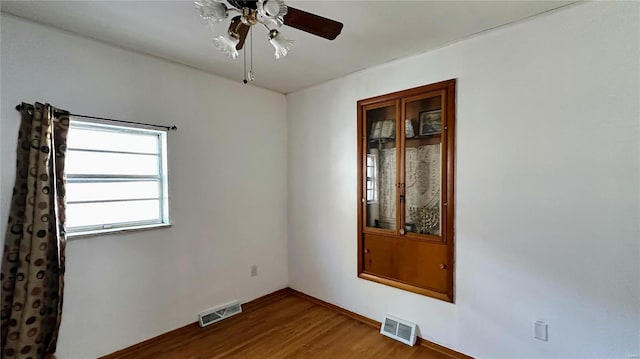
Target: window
(116,178)
(371,178)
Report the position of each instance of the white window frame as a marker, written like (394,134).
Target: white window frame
(162,178)
(371,180)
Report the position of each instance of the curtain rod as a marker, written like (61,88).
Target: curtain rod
(168,128)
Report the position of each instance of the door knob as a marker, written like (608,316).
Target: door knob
(443,266)
(366,250)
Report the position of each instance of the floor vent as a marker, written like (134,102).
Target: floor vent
(399,329)
(216,314)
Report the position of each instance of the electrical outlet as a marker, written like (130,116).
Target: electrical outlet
(540,330)
(254,270)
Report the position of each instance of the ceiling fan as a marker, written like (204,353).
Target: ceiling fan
(272,14)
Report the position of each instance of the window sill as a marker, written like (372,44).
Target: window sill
(97,232)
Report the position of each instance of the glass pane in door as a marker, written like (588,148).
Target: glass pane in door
(380,188)
(423,167)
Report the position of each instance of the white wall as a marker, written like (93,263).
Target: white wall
(227,171)
(547,188)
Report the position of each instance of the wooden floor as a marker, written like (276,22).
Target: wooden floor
(284,326)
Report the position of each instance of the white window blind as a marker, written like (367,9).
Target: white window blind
(116,178)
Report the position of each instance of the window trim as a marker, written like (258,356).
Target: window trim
(91,233)
(162,178)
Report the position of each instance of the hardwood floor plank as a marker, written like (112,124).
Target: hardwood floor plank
(279,326)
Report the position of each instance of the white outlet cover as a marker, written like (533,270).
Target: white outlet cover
(540,330)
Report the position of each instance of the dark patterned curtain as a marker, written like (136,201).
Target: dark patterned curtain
(33,257)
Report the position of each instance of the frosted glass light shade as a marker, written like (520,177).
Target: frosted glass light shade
(280,43)
(272,12)
(227,45)
(211,10)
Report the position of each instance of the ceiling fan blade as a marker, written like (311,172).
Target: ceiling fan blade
(239,28)
(313,24)
(242,31)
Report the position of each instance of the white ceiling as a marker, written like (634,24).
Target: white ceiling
(374,32)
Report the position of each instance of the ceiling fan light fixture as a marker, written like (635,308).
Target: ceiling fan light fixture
(249,16)
(280,43)
(227,44)
(212,10)
(272,12)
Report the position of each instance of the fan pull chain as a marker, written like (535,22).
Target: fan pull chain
(251,74)
(248,75)
(244,59)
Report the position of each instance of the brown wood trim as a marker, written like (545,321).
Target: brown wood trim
(451,160)
(130,352)
(409,92)
(378,105)
(442,349)
(379,231)
(248,307)
(431,238)
(360,172)
(406,286)
(373,323)
(266,299)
